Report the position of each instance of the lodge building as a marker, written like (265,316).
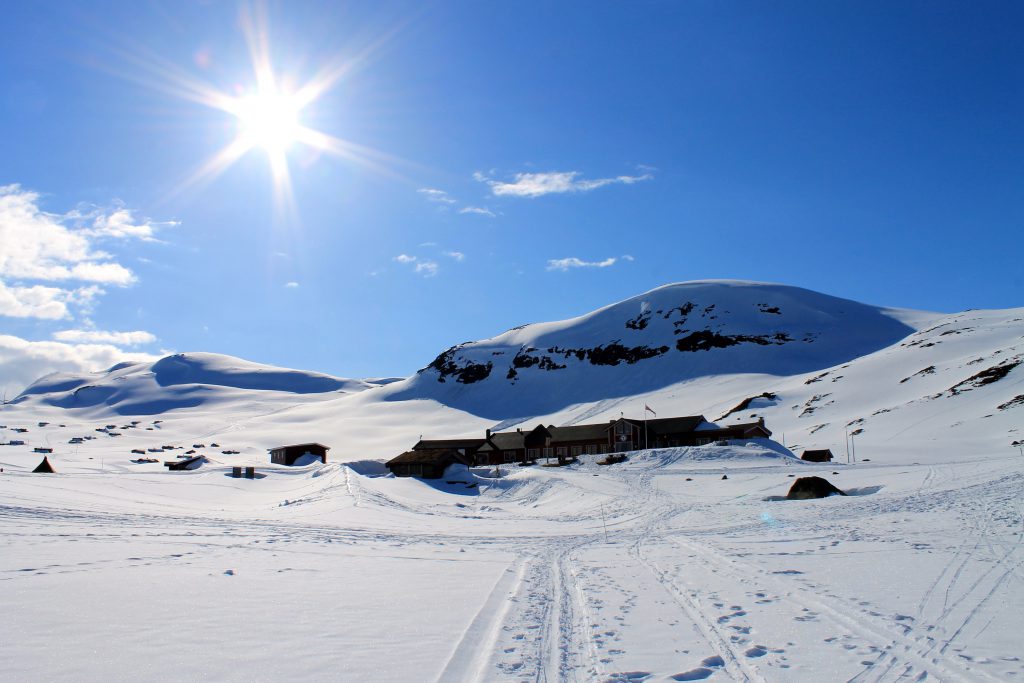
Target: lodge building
(573,441)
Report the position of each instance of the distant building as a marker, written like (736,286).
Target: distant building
(186,463)
(287,455)
(569,443)
(426,463)
(44,467)
(819,455)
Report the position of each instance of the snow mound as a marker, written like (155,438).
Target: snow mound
(184,380)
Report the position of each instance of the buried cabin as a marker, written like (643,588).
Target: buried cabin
(289,455)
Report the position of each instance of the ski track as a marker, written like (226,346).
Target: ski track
(535,624)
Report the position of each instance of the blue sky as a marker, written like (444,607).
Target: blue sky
(512,163)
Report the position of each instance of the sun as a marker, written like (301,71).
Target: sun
(268,113)
(269,119)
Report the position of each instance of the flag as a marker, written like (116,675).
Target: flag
(648,408)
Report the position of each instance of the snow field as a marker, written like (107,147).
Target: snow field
(514,579)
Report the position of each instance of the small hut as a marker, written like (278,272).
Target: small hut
(820,455)
(426,463)
(45,467)
(186,464)
(288,455)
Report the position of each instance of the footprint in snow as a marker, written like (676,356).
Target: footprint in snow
(756,651)
(629,677)
(698,674)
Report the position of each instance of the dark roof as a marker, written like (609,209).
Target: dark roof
(579,432)
(818,451)
(747,426)
(435,456)
(428,444)
(672,425)
(300,445)
(503,441)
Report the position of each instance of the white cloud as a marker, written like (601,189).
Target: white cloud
(135,338)
(457,255)
(120,224)
(427,268)
(48,248)
(35,245)
(552,182)
(404,258)
(45,303)
(564,264)
(436,196)
(479,210)
(23,362)
(291,285)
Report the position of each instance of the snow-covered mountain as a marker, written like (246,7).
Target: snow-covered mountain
(668,335)
(184,380)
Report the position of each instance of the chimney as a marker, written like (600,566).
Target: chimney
(488,434)
(519,430)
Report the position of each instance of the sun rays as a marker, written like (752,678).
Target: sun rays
(268,112)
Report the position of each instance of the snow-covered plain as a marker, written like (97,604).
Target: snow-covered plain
(680,564)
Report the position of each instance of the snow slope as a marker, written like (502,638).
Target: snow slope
(667,335)
(184,380)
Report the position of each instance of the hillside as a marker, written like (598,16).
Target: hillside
(181,381)
(665,336)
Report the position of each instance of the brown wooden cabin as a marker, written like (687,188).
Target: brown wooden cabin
(287,455)
(185,463)
(467,447)
(426,463)
(745,430)
(518,446)
(817,455)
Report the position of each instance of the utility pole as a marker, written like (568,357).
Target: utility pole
(847,432)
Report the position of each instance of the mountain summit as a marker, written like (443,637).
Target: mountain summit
(668,335)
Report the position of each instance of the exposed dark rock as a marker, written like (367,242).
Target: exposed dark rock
(805,488)
(468,373)
(765,308)
(612,354)
(920,373)
(987,376)
(745,403)
(1017,400)
(705,340)
(639,322)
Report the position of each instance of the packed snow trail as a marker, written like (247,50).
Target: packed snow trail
(329,572)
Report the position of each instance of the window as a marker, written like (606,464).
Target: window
(577,451)
(561,451)
(548,452)
(510,456)
(592,449)
(532,453)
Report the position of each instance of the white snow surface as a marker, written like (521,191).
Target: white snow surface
(679,564)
